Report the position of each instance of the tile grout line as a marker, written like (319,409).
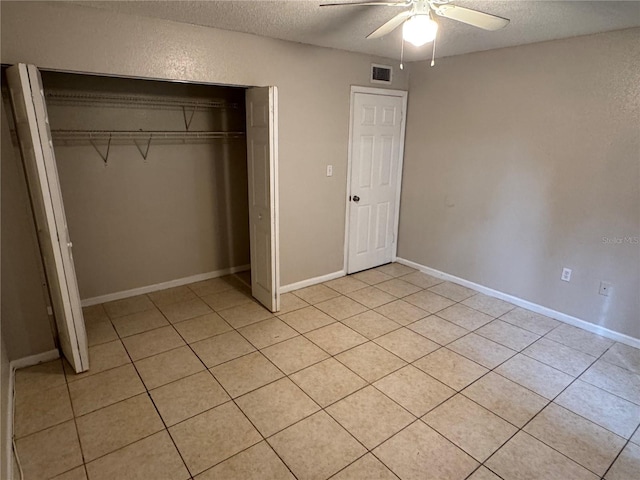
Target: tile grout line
(166,429)
(416,418)
(325,408)
(120,339)
(548,403)
(369,341)
(75,424)
(75,416)
(231,399)
(552,401)
(368,452)
(367,383)
(158,411)
(621,450)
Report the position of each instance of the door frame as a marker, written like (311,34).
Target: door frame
(403,94)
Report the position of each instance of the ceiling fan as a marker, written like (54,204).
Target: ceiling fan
(418,25)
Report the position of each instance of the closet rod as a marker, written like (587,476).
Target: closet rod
(145,135)
(103,100)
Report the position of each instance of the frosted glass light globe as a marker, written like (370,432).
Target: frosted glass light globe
(419,29)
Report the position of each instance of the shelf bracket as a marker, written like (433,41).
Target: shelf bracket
(144,152)
(104,157)
(187,122)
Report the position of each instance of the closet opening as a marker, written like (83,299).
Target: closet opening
(153,176)
(165,185)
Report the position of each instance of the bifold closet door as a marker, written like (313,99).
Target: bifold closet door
(34,135)
(262,162)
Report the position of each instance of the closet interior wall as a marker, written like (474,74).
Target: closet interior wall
(180,212)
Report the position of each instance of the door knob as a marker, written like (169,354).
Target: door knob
(356,198)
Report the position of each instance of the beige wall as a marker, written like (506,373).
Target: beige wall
(314,87)
(134,222)
(25,324)
(519,161)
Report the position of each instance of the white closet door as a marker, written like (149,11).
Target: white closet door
(32,125)
(262,162)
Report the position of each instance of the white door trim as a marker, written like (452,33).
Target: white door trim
(275,179)
(403,94)
(275,183)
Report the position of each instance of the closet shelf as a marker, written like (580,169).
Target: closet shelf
(139,135)
(133,101)
(141,139)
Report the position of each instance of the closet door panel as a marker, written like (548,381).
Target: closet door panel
(34,135)
(263,187)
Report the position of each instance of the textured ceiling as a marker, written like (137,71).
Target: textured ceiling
(346,27)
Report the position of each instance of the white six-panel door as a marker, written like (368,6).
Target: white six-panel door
(262,152)
(32,125)
(376,147)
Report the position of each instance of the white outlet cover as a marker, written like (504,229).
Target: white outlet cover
(329,170)
(566,274)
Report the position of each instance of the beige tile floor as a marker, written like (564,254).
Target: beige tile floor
(385,374)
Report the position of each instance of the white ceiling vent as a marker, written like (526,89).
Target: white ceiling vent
(381,73)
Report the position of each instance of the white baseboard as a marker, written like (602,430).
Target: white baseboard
(87,302)
(34,359)
(13,366)
(312,281)
(9,422)
(534,307)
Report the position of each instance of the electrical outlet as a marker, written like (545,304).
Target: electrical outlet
(329,170)
(605,288)
(566,274)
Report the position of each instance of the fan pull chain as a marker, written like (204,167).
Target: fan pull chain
(433,55)
(402,54)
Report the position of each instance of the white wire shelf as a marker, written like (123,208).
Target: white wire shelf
(140,135)
(55,97)
(141,139)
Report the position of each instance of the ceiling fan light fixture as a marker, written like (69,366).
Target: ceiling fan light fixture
(419,29)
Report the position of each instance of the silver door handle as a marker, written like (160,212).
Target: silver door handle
(69,244)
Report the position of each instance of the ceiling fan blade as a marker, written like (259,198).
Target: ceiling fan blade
(391,25)
(475,18)
(373,4)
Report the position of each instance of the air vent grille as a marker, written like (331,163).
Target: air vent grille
(381,73)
